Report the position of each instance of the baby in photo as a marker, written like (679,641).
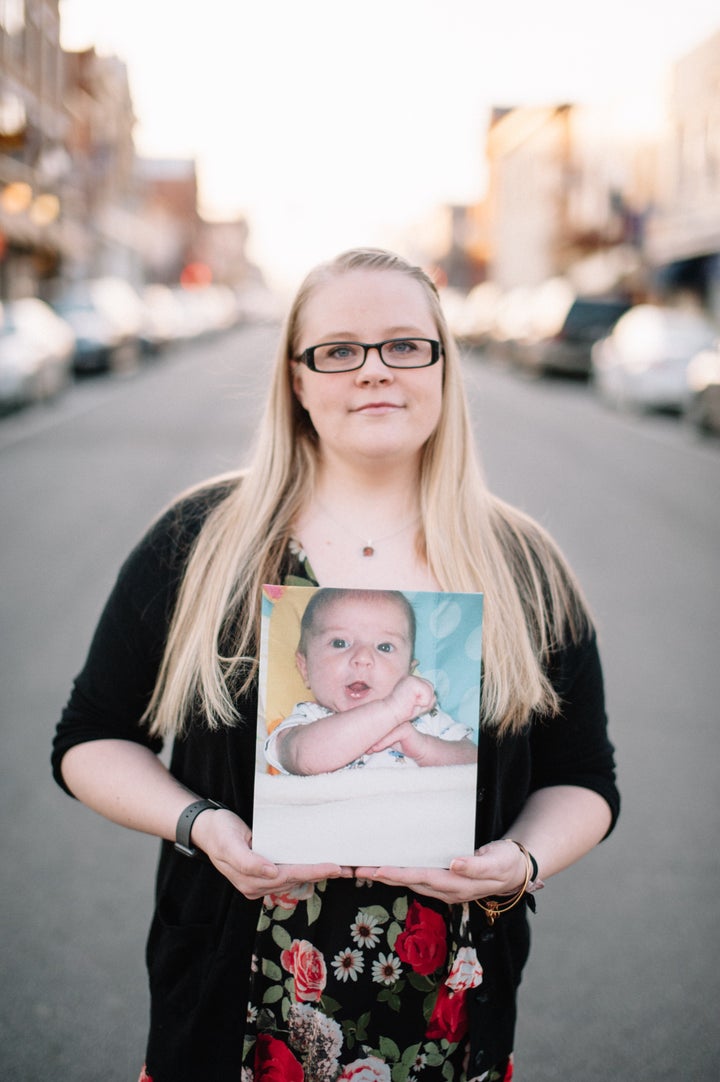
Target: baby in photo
(356,655)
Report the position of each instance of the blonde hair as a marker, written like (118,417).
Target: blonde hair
(532,602)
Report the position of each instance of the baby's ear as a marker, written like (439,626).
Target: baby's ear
(301,663)
(413,665)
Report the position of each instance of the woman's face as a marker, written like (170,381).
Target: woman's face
(374,413)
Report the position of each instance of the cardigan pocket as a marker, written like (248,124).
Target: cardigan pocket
(199,971)
(179,958)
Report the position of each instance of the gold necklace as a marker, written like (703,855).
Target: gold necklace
(368,548)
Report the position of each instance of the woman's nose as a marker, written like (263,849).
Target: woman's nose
(373,370)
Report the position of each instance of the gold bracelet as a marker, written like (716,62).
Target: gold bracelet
(492,908)
(528,857)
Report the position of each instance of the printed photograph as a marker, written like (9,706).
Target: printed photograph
(367,739)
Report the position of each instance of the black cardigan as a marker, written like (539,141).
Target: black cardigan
(200,943)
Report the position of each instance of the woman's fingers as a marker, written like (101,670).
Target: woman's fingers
(501,863)
(432,882)
(496,868)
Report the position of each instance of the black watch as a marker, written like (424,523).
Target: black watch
(185,822)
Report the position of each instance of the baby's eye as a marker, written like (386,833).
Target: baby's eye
(339,644)
(385,647)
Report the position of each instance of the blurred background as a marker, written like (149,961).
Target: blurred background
(168,172)
(167,169)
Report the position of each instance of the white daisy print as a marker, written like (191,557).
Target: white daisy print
(387,969)
(252,1013)
(365,930)
(348,963)
(297,550)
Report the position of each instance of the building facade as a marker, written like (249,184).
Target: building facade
(34,162)
(564,199)
(683,244)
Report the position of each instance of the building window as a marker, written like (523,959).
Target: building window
(12,16)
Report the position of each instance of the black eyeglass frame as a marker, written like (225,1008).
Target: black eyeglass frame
(307,357)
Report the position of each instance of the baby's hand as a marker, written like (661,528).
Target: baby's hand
(411,697)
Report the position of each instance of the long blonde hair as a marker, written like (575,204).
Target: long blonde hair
(532,602)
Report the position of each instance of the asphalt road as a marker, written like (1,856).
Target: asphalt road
(623,979)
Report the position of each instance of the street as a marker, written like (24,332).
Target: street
(623,978)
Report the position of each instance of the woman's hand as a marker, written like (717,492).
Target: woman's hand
(226,840)
(496,868)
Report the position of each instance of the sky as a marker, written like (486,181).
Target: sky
(329,124)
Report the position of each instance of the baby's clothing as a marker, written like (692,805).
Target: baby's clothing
(433,723)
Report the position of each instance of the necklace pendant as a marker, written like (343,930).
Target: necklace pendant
(368,550)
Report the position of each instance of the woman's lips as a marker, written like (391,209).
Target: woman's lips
(376,409)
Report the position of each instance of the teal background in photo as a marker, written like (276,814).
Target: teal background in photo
(448,648)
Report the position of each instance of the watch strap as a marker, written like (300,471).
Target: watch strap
(185,823)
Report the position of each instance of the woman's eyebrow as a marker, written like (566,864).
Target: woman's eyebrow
(404,330)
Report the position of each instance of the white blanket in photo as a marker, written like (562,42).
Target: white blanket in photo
(409,818)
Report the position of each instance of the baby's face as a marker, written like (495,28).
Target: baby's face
(357,651)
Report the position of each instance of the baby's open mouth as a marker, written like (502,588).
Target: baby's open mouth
(358,687)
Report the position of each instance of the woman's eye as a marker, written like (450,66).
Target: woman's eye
(341,353)
(406,346)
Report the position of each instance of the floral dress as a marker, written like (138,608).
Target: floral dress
(354,980)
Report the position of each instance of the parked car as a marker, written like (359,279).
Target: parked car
(474,321)
(565,347)
(511,323)
(165,320)
(256,303)
(36,352)
(703,408)
(643,363)
(107,327)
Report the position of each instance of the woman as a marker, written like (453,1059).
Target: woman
(364,475)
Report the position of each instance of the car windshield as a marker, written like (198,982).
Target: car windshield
(76,305)
(584,314)
(8,322)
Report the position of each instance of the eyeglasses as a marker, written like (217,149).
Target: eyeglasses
(395,353)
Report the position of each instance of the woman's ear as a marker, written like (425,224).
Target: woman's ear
(297,381)
(301,663)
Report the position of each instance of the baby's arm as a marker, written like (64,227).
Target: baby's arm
(428,750)
(331,743)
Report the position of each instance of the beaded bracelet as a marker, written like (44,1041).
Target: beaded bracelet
(492,908)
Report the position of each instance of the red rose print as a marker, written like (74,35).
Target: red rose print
(291,897)
(366,1070)
(466,971)
(307,966)
(509,1071)
(423,944)
(449,1018)
(274,1062)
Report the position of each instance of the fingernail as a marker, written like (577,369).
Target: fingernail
(458,866)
